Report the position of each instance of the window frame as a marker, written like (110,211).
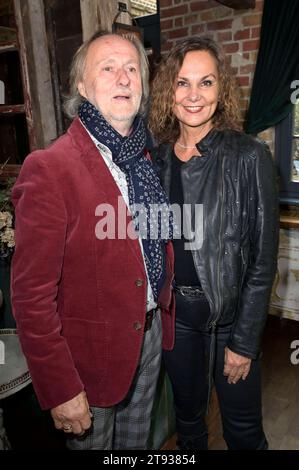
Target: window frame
(288,190)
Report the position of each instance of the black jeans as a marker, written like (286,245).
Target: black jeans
(186,365)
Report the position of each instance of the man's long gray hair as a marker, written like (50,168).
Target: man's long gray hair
(74,99)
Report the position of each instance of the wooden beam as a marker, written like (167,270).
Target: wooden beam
(22,28)
(34,57)
(99,14)
(8,46)
(89,15)
(9,171)
(12,109)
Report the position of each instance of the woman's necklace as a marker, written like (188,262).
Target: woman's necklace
(202,132)
(186,146)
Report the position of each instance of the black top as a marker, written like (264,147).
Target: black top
(185,274)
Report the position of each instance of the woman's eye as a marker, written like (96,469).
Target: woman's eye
(207,83)
(182,83)
(107,68)
(132,69)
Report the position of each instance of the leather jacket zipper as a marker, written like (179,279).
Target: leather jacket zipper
(243,269)
(213,323)
(242,256)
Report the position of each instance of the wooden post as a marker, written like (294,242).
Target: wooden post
(99,14)
(34,57)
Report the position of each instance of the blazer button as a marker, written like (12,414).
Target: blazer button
(137,325)
(139,282)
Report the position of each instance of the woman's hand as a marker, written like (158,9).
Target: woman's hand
(235,366)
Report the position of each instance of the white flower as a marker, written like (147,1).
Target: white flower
(5,219)
(7,237)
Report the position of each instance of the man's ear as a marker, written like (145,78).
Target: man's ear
(81,89)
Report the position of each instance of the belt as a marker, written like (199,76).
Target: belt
(189,291)
(149,319)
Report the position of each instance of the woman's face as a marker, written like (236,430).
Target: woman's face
(196,90)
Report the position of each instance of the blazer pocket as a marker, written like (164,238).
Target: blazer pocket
(88,343)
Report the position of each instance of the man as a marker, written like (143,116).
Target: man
(85,291)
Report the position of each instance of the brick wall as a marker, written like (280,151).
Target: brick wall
(237,30)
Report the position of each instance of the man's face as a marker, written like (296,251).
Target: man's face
(112,81)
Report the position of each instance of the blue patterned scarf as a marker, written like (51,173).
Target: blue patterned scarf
(144,188)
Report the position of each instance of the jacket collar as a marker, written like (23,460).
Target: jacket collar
(81,139)
(206,146)
(163,154)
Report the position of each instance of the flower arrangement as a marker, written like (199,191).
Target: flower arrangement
(7,241)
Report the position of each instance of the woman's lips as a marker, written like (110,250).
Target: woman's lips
(193,109)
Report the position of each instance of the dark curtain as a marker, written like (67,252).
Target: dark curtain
(277,65)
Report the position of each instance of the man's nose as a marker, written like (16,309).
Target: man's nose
(123,78)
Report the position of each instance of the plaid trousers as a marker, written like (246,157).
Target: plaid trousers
(127,424)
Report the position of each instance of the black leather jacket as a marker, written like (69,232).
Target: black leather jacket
(236,263)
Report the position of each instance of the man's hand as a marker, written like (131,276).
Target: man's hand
(73,416)
(235,366)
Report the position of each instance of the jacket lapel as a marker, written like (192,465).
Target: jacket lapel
(102,177)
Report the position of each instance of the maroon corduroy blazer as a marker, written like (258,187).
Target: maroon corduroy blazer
(79,302)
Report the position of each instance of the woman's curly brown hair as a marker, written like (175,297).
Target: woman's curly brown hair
(162,121)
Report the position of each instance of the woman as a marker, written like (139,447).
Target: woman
(223,286)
